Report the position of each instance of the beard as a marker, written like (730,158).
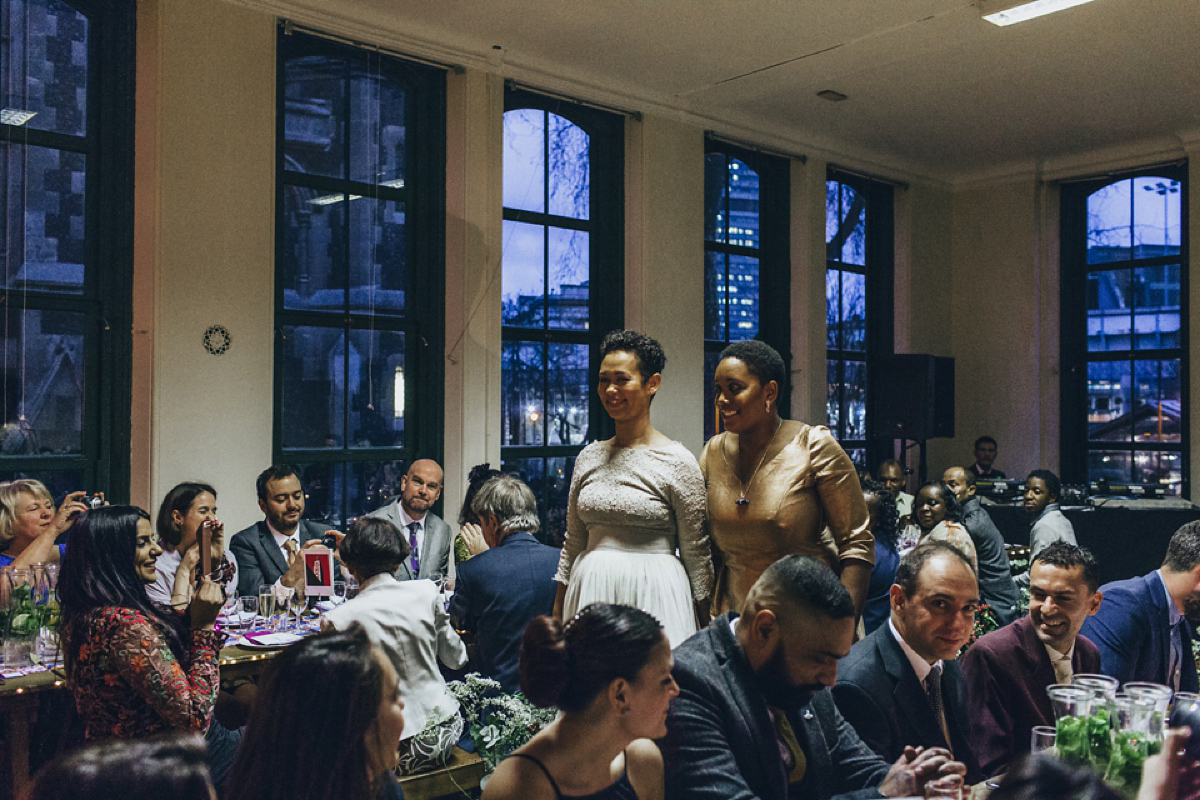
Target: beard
(777,689)
(1191,607)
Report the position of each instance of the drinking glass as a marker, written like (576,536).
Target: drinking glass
(1072,705)
(247,610)
(297,604)
(229,608)
(22,620)
(1135,727)
(351,588)
(1042,739)
(1160,695)
(339,592)
(267,606)
(1099,725)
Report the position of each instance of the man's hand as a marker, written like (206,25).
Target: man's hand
(295,574)
(915,767)
(472,534)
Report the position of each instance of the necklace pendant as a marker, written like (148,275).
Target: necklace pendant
(741,501)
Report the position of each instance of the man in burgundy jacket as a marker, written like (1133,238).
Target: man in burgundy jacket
(1007,671)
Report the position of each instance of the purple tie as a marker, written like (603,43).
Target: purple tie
(414,562)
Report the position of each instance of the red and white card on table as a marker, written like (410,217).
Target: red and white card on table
(318,571)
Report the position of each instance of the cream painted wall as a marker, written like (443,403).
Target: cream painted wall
(993,306)
(809,373)
(664,264)
(210,245)
(474,232)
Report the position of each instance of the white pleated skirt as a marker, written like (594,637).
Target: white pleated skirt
(654,582)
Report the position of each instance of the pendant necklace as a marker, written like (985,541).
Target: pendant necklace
(743,501)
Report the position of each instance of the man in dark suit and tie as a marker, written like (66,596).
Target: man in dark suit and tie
(1007,671)
(1144,626)
(267,551)
(498,591)
(753,719)
(901,685)
(430,540)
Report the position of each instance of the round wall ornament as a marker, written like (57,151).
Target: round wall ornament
(217,339)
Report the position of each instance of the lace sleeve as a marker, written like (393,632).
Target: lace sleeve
(688,499)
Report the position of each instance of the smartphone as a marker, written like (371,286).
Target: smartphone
(1187,712)
(205,545)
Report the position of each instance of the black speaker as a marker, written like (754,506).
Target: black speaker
(913,397)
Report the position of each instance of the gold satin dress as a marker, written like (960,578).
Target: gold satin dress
(804,499)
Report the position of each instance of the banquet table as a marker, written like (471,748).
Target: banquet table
(19,699)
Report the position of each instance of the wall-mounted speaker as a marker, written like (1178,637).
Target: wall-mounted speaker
(913,397)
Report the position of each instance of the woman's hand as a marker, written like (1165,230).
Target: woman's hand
(72,506)
(206,604)
(472,534)
(217,529)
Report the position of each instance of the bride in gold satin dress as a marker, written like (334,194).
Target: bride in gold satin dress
(777,487)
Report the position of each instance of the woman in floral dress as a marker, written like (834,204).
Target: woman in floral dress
(135,668)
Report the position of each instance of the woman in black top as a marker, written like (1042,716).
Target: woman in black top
(608,669)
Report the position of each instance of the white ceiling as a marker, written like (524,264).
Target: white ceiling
(933,89)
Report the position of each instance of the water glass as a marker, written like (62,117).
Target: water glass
(22,620)
(1042,740)
(297,604)
(1157,693)
(1072,707)
(1135,728)
(1099,725)
(247,610)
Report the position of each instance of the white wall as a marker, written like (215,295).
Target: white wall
(208,241)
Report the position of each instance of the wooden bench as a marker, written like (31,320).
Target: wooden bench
(462,774)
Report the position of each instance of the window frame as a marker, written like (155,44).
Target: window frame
(879,273)
(422,322)
(1074,354)
(774,264)
(606,269)
(106,299)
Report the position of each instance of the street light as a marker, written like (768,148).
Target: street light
(1164,189)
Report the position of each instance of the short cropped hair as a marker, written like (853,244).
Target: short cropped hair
(372,546)
(763,361)
(1053,485)
(908,571)
(808,584)
(275,472)
(970,477)
(649,353)
(511,501)
(986,440)
(1067,555)
(1183,551)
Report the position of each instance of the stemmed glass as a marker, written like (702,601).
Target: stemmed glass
(339,592)
(229,609)
(297,604)
(266,604)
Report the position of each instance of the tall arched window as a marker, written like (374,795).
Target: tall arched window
(66,144)
(561,286)
(1124,330)
(359,271)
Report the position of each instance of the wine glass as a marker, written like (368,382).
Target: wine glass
(297,604)
(339,592)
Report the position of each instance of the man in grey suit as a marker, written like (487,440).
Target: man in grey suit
(267,551)
(754,717)
(429,537)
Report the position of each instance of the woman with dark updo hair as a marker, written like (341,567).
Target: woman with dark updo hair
(608,670)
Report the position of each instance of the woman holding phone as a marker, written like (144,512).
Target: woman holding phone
(187,514)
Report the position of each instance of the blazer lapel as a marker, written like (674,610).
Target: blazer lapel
(272,550)
(738,680)
(1040,667)
(912,704)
